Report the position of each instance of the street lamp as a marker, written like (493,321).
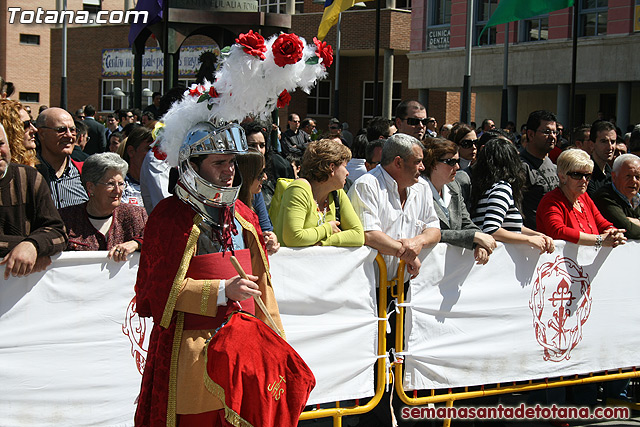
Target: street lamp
(116,91)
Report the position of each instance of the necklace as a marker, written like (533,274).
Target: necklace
(584,215)
(322,214)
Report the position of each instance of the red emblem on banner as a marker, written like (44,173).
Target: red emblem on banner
(561,304)
(135,327)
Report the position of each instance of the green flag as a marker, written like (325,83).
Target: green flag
(515,10)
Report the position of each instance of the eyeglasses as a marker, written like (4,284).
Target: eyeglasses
(467,143)
(548,132)
(579,175)
(27,124)
(413,121)
(295,121)
(61,130)
(111,185)
(450,162)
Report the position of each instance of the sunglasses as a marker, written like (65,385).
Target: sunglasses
(450,162)
(61,130)
(334,127)
(467,143)
(412,121)
(27,124)
(579,175)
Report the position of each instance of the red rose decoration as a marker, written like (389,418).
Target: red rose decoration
(284,99)
(213,92)
(252,43)
(287,49)
(197,91)
(324,51)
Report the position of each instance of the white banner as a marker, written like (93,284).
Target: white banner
(65,357)
(522,316)
(327,301)
(72,350)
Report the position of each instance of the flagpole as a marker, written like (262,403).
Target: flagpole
(376,61)
(504,116)
(465,102)
(574,56)
(336,89)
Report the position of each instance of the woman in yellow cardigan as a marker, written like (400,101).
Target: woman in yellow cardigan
(307,215)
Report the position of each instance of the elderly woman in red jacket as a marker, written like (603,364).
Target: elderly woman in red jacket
(104,222)
(568,213)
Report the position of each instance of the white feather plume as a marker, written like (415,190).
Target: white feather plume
(246,85)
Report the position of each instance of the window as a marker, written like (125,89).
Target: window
(29,97)
(403,4)
(111,102)
(484,10)
(441,13)
(367,100)
(319,100)
(593,18)
(534,29)
(279,6)
(29,39)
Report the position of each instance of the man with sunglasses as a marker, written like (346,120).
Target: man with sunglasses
(57,135)
(411,119)
(541,174)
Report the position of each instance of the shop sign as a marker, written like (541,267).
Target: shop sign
(217,5)
(119,62)
(438,38)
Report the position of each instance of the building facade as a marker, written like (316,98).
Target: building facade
(539,59)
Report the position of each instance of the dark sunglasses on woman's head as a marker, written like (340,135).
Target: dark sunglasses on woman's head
(467,143)
(450,162)
(579,175)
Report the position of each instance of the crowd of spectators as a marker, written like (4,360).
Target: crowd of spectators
(410,183)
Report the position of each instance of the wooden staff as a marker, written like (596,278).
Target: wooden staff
(258,300)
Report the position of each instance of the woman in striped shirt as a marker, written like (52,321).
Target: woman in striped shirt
(496,193)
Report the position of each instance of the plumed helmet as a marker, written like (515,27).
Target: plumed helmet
(203,139)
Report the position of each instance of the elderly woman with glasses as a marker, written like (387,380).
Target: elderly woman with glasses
(568,213)
(441,162)
(104,222)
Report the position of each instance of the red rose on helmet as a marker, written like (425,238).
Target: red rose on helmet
(283,99)
(287,49)
(252,43)
(324,51)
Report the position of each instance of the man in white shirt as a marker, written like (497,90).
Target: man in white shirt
(395,205)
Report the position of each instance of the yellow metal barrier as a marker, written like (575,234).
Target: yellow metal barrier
(381,365)
(449,397)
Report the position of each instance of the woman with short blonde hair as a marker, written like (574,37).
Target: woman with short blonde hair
(568,213)
(315,210)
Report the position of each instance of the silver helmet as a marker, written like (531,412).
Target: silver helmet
(205,197)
